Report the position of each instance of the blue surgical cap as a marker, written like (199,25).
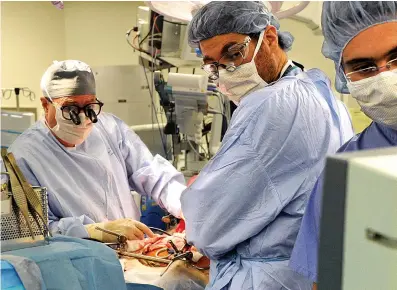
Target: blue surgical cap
(343,20)
(68,78)
(244,17)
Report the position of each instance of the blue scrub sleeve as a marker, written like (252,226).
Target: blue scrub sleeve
(304,258)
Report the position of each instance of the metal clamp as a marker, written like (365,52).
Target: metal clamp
(121,239)
(187,256)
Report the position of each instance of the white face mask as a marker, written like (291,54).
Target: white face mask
(377,97)
(69,132)
(243,80)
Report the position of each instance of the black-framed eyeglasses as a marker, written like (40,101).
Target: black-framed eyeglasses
(370,71)
(233,58)
(91,110)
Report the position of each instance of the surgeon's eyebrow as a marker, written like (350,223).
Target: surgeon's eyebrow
(392,53)
(356,61)
(226,47)
(369,59)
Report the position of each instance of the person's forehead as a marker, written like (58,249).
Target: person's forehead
(372,43)
(79,100)
(214,45)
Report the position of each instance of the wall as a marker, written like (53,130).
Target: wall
(95,32)
(32,36)
(306,48)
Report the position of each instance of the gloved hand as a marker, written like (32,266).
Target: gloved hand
(130,228)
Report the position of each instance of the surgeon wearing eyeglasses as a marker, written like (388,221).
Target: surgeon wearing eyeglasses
(89,161)
(244,209)
(361,38)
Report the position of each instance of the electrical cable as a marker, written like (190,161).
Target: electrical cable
(194,150)
(153,106)
(154,54)
(127,38)
(151,92)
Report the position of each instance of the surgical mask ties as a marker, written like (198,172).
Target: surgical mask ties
(235,85)
(69,132)
(377,97)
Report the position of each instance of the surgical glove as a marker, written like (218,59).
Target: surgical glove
(132,229)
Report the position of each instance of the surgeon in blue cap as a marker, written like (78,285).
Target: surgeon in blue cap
(245,208)
(361,38)
(89,161)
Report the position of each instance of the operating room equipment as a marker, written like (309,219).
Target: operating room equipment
(121,239)
(358,239)
(304,259)
(13,124)
(124,89)
(184,98)
(157,39)
(24,217)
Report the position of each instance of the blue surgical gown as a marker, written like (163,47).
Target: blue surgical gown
(93,181)
(245,208)
(304,255)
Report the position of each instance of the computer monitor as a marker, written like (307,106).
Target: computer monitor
(358,235)
(13,124)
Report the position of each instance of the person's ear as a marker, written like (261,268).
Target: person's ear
(45,104)
(271,37)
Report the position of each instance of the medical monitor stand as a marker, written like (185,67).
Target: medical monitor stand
(358,228)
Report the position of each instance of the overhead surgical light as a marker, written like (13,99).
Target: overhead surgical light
(58,4)
(178,10)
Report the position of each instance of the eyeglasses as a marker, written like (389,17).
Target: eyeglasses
(91,110)
(371,71)
(234,57)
